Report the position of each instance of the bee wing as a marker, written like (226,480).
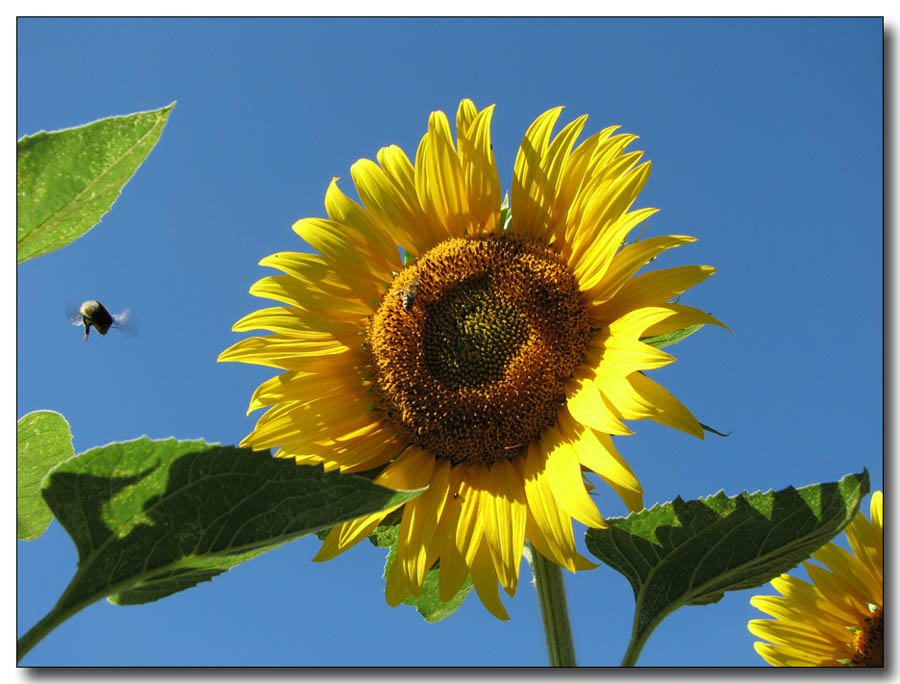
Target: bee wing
(125,322)
(73,314)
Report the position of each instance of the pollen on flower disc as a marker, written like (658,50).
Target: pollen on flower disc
(472,343)
(869,642)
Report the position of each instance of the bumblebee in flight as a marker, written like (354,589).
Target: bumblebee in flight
(93,313)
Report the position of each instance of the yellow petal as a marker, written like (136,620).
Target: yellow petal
(304,386)
(344,249)
(634,324)
(313,271)
(285,353)
(793,634)
(876,508)
(504,529)
(420,518)
(465,115)
(297,293)
(601,286)
(485,582)
(651,289)
(396,588)
(672,413)
(470,526)
(363,452)
(625,356)
(439,181)
(341,209)
(565,557)
(683,317)
(480,172)
(780,657)
(605,219)
(395,208)
(576,174)
(546,191)
(563,471)
(588,407)
(851,569)
(453,569)
(596,451)
(528,180)
(804,594)
(607,163)
(298,425)
(621,395)
(345,535)
(840,592)
(593,252)
(552,531)
(785,610)
(291,321)
(867,540)
(412,470)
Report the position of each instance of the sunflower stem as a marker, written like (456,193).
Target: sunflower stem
(552,596)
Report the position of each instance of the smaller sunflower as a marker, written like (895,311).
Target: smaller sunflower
(839,618)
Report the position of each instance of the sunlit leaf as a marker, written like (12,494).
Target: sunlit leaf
(43,441)
(67,180)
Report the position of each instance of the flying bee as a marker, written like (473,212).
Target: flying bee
(93,313)
(408,295)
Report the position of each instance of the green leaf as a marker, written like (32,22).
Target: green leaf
(43,441)
(67,180)
(428,603)
(150,518)
(690,553)
(664,340)
(505,214)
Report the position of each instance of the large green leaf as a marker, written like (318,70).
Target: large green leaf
(43,441)
(67,180)
(150,518)
(691,552)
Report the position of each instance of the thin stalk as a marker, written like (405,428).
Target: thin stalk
(635,646)
(552,597)
(53,619)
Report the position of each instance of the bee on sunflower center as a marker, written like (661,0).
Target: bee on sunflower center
(409,293)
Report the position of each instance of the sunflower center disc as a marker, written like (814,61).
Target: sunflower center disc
(471,345)
(869,643)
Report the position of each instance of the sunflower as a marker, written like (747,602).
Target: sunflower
(839,618)
(489,363)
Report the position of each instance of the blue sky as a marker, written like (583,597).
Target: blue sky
(766,142)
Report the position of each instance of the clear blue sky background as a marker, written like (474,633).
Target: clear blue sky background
(766,142)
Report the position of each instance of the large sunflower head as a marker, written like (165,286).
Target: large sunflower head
(489,363)
(839,618)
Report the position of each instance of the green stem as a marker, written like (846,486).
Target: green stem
(639,635)
(552,596)
(47,624)
(635,646)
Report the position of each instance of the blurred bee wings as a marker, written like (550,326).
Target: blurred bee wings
(125,322)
